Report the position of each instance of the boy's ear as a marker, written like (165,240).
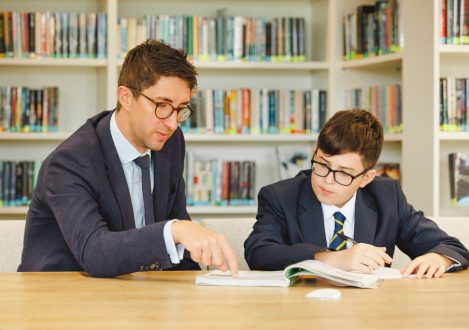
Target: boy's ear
(368,177)
(124,96)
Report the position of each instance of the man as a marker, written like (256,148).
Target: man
(108,199)
(316,214)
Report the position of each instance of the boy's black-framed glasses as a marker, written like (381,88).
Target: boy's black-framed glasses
(341,177)
(164,110)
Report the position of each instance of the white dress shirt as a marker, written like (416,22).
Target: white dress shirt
(133,175)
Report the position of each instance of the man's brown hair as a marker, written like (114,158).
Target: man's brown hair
(145,64)
(354,130)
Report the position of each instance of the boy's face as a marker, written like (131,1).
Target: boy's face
(327,190)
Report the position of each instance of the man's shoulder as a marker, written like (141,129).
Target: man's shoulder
(84,141)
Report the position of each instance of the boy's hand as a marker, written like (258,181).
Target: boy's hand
(206,246)
(429,265)
(363,258)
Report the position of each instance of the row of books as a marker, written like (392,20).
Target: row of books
(53,34)
(17,181)
(459,178)
(373,30)
(454,22)
(385,102)
(256,111)
(28,110)
(219,182)
(220,38)
(454,102)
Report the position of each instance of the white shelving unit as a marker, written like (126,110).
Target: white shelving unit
(88,86)
(362,73)
(452,61)
(425,148)
(376,62)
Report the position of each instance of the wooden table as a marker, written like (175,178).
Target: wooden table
(170,300)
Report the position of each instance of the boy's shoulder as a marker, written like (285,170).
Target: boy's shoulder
(382,189)
(382,182)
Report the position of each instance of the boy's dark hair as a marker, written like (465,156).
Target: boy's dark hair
(145,64)
(354,130)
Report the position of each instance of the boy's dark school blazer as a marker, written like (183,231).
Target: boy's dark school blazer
(290,224)
(81,216)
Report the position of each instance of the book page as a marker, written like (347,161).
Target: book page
(245,278)
(334,275)
(386,273)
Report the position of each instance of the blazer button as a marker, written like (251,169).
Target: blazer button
(155,266)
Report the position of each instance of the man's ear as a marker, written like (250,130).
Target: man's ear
(368,177)
(124,96)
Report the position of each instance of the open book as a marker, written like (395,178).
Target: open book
(293,272)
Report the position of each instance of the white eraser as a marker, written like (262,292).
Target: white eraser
(324,294)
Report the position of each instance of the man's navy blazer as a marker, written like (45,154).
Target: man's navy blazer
(81,216)
(290,224)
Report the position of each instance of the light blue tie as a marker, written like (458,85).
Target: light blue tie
(337,243)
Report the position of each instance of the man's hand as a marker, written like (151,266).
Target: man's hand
(205,246)
(363,258)
(429,265)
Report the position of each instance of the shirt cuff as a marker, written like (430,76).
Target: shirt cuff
(456,264)
(175,252)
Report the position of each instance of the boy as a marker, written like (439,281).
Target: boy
(316,214)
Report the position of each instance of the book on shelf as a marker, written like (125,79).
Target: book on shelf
(17,181)
(459,178)
(383,101)
(295,272)
(52,35)
(390,170)
(222,37)
(218,182)
(454,22)
(372,30)
(23,109)
(454,102)
(256,111)
(292,159)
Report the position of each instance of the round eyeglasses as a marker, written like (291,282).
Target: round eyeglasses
(164,110)
(341,177)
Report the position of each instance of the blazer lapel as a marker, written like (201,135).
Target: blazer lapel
(115,172)
(365,218)
(310,216)
(161,172)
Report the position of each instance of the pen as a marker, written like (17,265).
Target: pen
(346,238)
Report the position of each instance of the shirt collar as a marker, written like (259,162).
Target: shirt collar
(126,151)
(348,210)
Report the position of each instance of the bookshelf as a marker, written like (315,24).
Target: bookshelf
(425,147)
(87,86)
(364,72)
(452,61)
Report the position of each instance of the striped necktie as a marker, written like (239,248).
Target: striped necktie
(337,243)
